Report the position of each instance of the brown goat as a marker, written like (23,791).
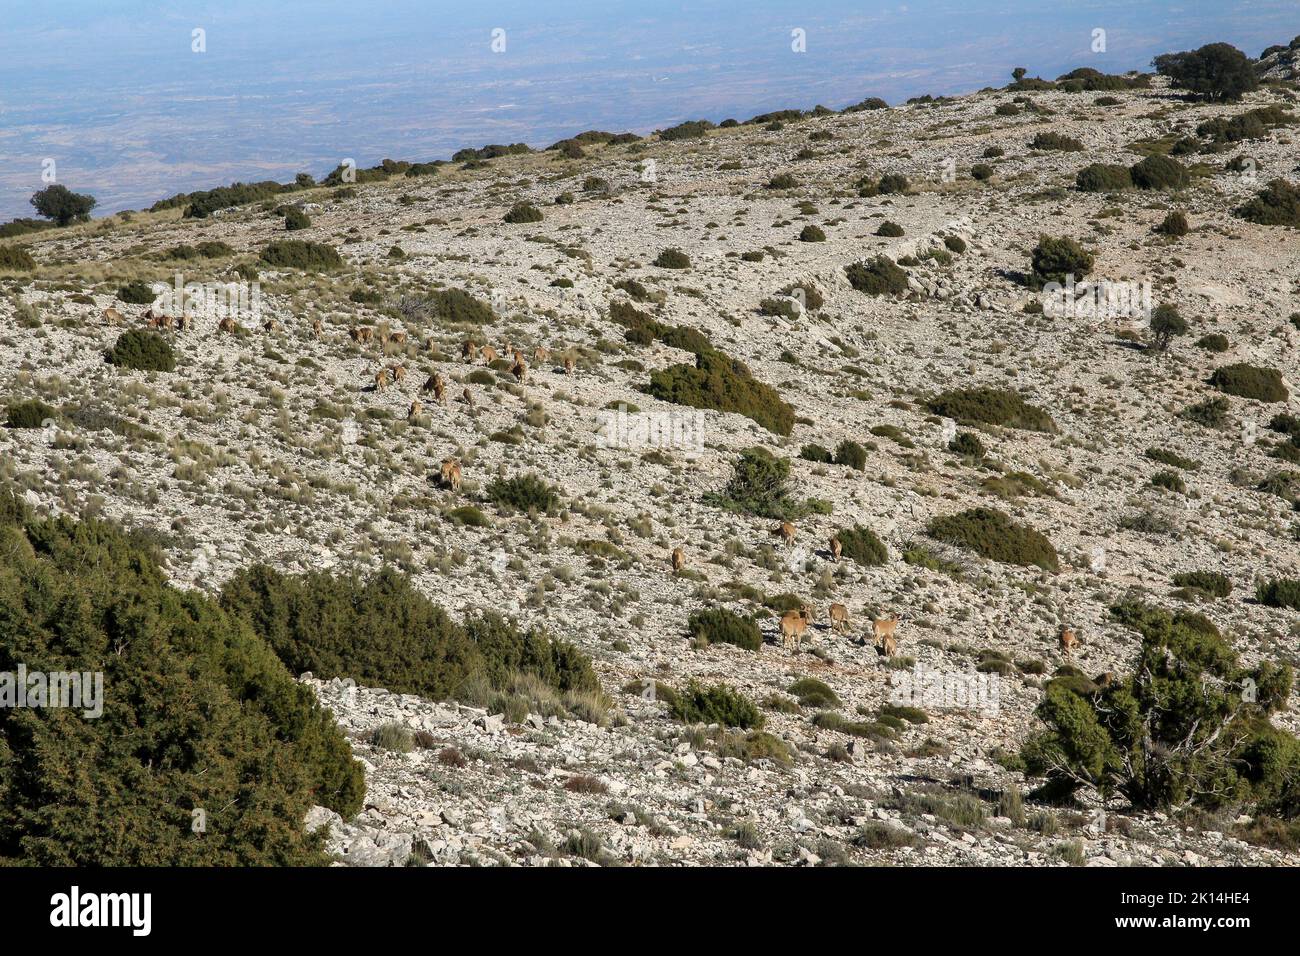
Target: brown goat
(793,626)
(451,475)
(839,615)
(679,559)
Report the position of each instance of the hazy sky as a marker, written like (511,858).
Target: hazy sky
(113,93)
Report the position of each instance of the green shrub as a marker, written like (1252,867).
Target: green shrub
(1212,413)
(523,493)
(862,546)
(1166,457)
(991,534)
(812,234)
(394,737)
(759,486)
(197,713)
(782,181)
(954,244)
(692,129)
(1055,258)
(1170,480)
(1103,178)
(30,414)
(720,382)
(673,259)
(719,626)
(1056,141)
(299,254)
(1279,592)
(142,350)
(522,212)
(18,259)
(878,276)
(981,171)
(137,293)
(890,230)
(1214,342)
(968,445)
(1278,204)
(1166,323)
(716,704)
(813,693)
(852,454)
(1216,71)
(295,219)
(1209,582)
(459,307)
(992,406)
(1250,381)
(1173,225)
(816,453)
(1177,731)
(1159,172)
(383,633)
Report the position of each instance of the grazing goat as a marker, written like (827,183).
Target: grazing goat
(839,618)
(679,559)
(113,316)
(1068,641)
(541,354)
(413,415)
(837,549)
(883,629)
(786,532)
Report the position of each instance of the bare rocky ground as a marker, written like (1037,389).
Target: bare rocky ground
(270,445)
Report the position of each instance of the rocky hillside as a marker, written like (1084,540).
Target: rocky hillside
(1109,454)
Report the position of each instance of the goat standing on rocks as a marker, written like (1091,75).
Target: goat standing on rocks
(1068,641)
(793,626)
(839,615)
(451,476)
(786,532)
(679,559)
(884,629)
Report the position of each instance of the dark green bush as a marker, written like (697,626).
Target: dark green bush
(981,171)
(992,406)
(862,546)
(1279,592)
(295,219)
(968,445)
(810,692)
(1278,204)
(878,276)
(29,414)
(142,350)
(459,307)
(717,704)
(1177,731)
(816,453)
(1216,71)
(782,181)
(720,382)
(991,534)
(1166,323)
(1250,381)
(673,259)
(1173,225)
(299,254)
(759,486)
(1159,172)
(852,454)
(1212,413)
(812,234)
(719,626)
(954,244)
(523,493)
(692,129)
(197,714)
(1056,141)
(1055,258)
(1214,342)
(1103,178)
(890,230)
(137,293)
(1211,583)
(522,212)
(61,204)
